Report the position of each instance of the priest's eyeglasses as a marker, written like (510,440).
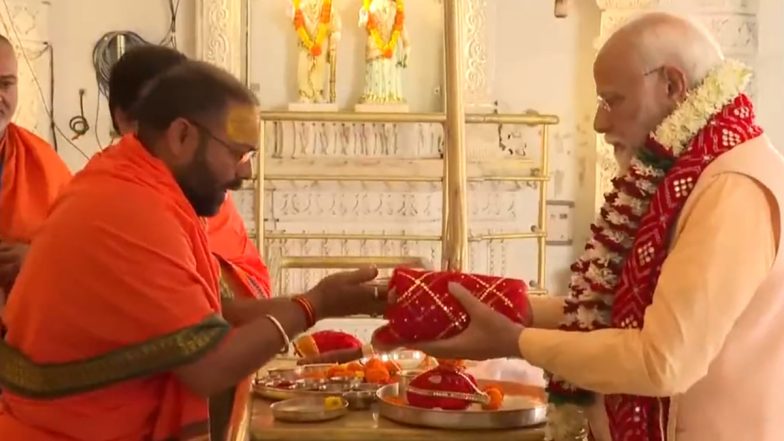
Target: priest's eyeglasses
(607,104)
(243,157)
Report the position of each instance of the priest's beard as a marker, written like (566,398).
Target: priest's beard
(203,189)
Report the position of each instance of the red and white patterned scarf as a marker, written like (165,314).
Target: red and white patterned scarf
(614,280)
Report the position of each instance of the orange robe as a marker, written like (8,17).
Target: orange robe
(243,275)
(230,243)
(32,177)
(128,292)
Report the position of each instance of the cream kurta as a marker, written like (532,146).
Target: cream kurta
(698,327)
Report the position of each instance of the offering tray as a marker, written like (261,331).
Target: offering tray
(524,406)
(275,391)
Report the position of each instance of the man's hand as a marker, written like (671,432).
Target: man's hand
(11,257)
(348,293)
(489,334)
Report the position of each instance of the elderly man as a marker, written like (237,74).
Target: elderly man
(676,309)
(124,339)
(31,176)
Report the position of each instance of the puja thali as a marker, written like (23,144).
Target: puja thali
(322,380)
(306,381)
(523,406)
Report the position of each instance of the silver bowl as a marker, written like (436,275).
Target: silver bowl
(405,377)
(360,399)
(318,368)
(286,374)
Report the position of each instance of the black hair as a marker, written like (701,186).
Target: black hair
(135,70)
(194,90)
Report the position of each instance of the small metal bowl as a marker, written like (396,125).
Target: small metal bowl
(287,374)
(306,410)
(407,359)
(315,370)
(361,398)
(405,377)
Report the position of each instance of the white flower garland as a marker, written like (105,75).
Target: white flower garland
(719,88)
(721,85)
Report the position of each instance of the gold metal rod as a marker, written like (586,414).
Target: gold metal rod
(542,221)
(455,245)
(537,292)
(352,236)
(506,236)
(511,178)
(528,118)
(259,196)
(366,178)
(381,178)
(342,262)
(248,42)
(353,117)
(399,237)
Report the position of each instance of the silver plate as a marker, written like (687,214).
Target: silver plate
(306,410)
(532,413)
(313,389)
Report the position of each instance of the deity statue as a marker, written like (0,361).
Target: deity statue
(318,29)
(387,51)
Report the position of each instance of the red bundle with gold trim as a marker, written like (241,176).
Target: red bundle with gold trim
(444,387)
(311,345)
(424,310)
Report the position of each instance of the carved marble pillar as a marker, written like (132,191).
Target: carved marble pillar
(219,31)
(732,22)
(479,30)
(479,54)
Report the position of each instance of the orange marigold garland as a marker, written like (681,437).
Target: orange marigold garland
(387,48)
(313,45)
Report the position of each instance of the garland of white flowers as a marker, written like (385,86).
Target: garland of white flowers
(597,272)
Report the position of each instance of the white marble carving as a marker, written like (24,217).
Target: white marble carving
(479,53)
(314,139)
(732,22)
(219,33)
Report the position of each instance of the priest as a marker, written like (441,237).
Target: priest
(244,276)
(671,329)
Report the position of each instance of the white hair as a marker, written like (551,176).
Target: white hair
(663,38)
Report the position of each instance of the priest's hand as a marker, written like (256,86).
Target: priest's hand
(489,334)
(11,257)
(349,293)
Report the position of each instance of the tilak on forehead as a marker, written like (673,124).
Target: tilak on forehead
(243,124)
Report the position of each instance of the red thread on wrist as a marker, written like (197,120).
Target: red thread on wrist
(307,308)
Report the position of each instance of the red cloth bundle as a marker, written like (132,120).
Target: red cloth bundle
(424,310)
(311,345)
(444,387)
